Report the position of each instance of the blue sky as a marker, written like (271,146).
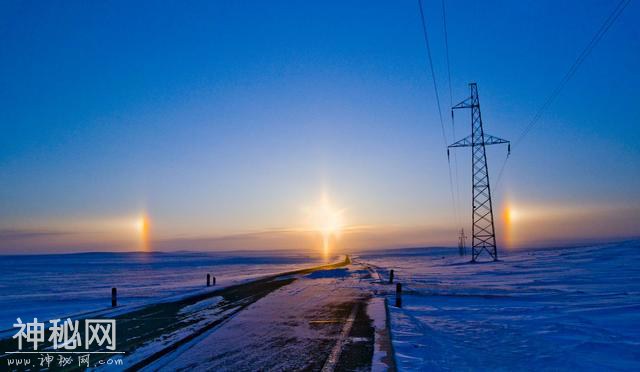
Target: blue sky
(230,119)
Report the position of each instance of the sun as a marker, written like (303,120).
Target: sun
(141,224)
(328,221)
(331,221)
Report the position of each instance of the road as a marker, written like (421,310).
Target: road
(326,318)
(317,321)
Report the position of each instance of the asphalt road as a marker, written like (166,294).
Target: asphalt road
(317,321)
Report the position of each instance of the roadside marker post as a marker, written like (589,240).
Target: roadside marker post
(114,297)
(399,295)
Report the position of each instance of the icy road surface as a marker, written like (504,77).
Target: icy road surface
(320,321)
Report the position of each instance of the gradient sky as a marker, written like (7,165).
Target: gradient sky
(225,122)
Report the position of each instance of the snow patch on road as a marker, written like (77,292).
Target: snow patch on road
(333,273)
(382,352)
(201,305)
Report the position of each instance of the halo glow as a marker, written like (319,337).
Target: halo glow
(142,227)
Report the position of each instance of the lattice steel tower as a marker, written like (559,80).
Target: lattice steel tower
(462,243)
(483,230)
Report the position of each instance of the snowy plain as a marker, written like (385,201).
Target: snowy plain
(572,308)
(59,285)
(575,308)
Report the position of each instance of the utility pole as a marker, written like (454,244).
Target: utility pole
(483,229)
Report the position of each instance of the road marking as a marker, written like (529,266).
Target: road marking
(331,362)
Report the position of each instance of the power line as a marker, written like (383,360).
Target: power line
(435,88)
(446,47)
(497,183)
(609,21)
(433,74)
(453,126)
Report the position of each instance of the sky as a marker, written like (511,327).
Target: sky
(229,125)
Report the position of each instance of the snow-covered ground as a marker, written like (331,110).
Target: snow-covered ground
(51,286)
(553,309)
(548,309)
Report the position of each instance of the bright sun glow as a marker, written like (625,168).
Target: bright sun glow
(140,224)
(327,220)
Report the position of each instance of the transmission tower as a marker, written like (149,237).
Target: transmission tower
(462,243)
(483,230)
